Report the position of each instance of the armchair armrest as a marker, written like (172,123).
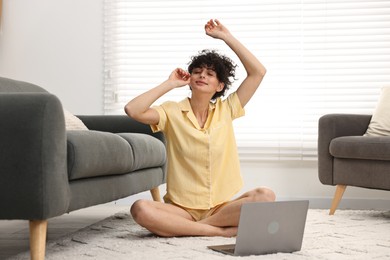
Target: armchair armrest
(33,174)
(117,124)
(331,126)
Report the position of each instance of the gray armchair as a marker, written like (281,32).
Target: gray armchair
(347,158)
(46,171)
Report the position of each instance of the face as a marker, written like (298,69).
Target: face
(205,79)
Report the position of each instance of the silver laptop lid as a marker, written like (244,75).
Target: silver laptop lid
(270,227)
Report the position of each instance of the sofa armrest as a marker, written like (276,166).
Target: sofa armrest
(117,124)
(33,175)
(331,126)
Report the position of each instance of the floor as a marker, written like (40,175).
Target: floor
(14,234)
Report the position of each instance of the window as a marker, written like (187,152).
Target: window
(321,56)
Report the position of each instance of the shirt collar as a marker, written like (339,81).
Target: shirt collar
(185,105)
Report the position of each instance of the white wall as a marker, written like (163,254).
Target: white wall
(58,45)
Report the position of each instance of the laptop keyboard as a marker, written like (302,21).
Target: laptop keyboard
(229,250)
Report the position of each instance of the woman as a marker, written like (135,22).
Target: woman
(203,172)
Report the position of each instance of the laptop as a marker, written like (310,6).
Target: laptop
(268,227)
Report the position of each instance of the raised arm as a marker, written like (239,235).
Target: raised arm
(254,69)
(140,109)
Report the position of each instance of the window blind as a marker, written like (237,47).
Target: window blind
(321,57)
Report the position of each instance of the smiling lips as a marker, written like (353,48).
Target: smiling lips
(201,82)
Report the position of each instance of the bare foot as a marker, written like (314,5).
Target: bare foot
(229,231)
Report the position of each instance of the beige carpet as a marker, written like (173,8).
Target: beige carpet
(349,234)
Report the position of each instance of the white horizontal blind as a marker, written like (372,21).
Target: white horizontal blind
(321,56)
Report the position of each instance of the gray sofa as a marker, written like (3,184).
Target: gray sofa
(47,171)
(347,158)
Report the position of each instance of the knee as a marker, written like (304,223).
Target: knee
(263,194)
(139,211)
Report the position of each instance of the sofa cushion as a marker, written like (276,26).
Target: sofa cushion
(72,122)
(380,120)
(361,147)
(95,153)
(148,151)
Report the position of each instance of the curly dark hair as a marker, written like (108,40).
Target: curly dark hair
(223,66)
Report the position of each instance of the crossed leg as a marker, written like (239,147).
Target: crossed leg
(169,220)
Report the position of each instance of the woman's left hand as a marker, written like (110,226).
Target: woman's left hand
(216,29)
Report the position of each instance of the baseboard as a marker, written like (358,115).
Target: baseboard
(347,203)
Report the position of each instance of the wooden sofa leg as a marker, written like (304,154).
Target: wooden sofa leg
(38,231)
(155,194)
(337,198)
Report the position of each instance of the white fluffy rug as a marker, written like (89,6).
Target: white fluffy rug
(349,234)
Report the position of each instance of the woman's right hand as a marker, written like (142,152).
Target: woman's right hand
(139,108)
(180,77)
